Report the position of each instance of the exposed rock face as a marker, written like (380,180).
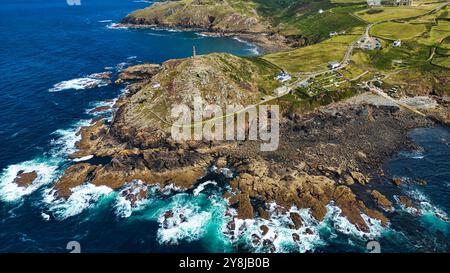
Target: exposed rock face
(245,210)
(397,181)
(359,177)
(297,220)
(102,75)
(24,179)
(215,15)
(348,180)
(264,229)
(99,109)
(405,201)
(381,200)
(139,72)
(90,137)
(74,176)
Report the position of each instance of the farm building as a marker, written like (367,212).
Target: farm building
(333,65)
(397,43)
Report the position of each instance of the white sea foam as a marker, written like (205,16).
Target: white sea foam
(413,154)
(187,223)
(116,26)
(84,158)
(46,169)
(123,205)
(208,35)
(79,84)
(82,197)
(121,66)
(45,216)
(227,172)
(109,103)
(425,205)
(341,224)
(65,139)
(252,48)
(202,186)
(280,237)
(157,34)
(170,189)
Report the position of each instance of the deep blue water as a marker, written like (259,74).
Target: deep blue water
(43,43)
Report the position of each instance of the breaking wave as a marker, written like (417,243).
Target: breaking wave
(65,139)
(116,26)
(198,216)
(82,197)
(252,48)
(79,84)
(425,206)
(45,168)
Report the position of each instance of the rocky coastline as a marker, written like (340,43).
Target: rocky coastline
(213,18)
(333,154)
(267,42)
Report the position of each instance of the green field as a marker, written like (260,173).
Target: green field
(437,33)
(397,31)
(443,61)
(391,58)
(348,1)
(314,57)
(374,15)
(317,26)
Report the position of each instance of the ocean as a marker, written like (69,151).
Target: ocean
(49,50)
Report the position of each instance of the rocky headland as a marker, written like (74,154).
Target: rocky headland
(332,154)
(216,18)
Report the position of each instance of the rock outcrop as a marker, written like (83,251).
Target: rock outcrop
(139,72)
(24,179)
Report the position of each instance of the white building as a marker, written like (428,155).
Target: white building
(374,3)
(333,65)
(397,43)
(283,77)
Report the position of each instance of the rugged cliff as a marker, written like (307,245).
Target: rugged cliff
(212,15)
